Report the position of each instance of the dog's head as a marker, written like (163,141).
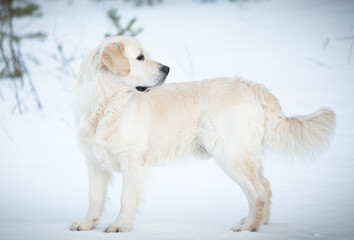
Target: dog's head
(126,58)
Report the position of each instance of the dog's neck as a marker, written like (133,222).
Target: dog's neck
(110,92)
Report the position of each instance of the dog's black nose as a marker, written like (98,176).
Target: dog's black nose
(165,69)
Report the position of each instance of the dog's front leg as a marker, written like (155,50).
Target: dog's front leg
(133,177)
(98,185)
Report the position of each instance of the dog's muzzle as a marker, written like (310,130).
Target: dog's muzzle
(163,69)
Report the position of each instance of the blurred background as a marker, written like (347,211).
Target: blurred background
(301,50)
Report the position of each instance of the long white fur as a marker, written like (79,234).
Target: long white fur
(229,119)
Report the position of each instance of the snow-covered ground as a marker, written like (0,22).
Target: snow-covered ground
(300,49)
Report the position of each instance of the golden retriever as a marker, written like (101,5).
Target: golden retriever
(128,121)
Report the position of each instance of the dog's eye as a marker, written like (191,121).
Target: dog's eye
(140,57)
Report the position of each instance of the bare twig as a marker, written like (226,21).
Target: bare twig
(321,64)
(350,52)
(190,68)
(15,90)
(325,44)
(2,96)
(351,39)
(63,60)
(32,88)
(345,38)
(191,63)
(4,130)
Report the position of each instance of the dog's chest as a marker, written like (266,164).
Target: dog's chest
(113,135)
(99,139)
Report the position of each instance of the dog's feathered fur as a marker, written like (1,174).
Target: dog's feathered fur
(229,119)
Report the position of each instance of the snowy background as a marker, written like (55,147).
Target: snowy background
(302,50)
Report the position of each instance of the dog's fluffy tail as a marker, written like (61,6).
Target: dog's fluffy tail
(299,135)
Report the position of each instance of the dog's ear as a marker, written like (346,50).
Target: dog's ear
(113,57)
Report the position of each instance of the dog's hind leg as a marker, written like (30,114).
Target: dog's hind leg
(266,211)
(245,170)
(98,180)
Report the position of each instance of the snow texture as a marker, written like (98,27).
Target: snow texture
(302,50)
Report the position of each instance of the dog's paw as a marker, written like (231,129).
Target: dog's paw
(264,220)
(115,227)
(83,225)
(243,227)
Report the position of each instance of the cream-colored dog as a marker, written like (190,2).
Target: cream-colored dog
(128,122)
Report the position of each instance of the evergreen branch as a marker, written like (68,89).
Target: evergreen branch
(127,30)
(30,9)
(38,35)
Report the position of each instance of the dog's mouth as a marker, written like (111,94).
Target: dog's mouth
(146,89)
(142,89)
